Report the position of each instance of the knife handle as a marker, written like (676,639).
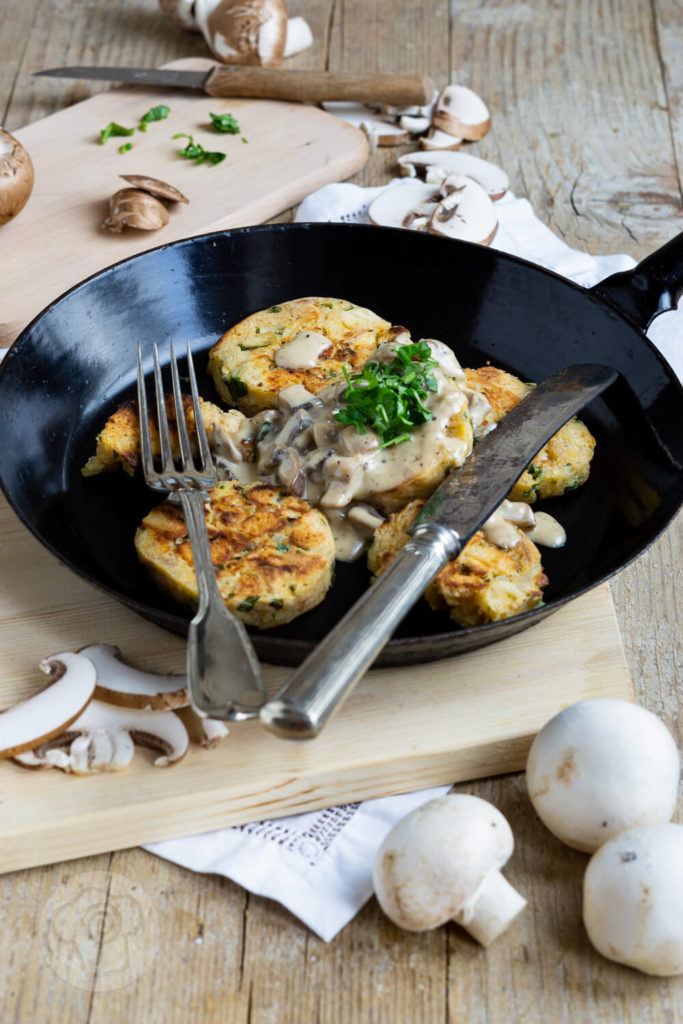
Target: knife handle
(302,706)
(316,86)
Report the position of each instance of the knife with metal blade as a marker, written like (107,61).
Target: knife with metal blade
(273,83)
(448,520)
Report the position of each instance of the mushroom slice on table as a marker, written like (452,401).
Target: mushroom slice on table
(119,683)
(461,112)
(16,177)
(633,899)
(442,862)
(96,742)
(599,767)
(466,213)
(48,713)
(436,167)
(405,205)
(438,139)
(380,132)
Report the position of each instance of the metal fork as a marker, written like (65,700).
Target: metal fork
(223,672)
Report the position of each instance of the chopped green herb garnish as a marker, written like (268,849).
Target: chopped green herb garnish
(328,304)
(126,147)
(264,430)
(159,113)
(194,151)
(275,309)
(225,123)
(248,603)
(389,399)
(237,387)
(282,547)
(277,602)
(114,129)
(245,140)
(535,471)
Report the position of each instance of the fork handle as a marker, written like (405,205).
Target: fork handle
(223,672)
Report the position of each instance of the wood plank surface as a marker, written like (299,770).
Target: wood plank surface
(586,99)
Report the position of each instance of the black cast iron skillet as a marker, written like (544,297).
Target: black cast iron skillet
(76,362)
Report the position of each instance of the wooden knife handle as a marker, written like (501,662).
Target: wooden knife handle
(315,86)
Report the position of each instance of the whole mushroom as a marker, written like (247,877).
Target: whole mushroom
(599,767)
(442,862)
(16,177)
(633,899)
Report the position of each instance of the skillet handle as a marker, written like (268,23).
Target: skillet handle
(651,288)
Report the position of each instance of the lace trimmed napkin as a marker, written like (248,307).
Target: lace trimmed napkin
(319,865)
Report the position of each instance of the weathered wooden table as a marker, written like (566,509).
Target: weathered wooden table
(587,100)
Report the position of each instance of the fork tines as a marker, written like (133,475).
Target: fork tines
(168,477)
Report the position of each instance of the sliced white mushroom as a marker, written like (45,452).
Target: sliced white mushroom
(466,213)
(436,167)
(380,132)
(460,111)
(398,207)
(298,36)
(118,683)
(438,139)
(413,110)
(101,739)
(53,709)
(414,125)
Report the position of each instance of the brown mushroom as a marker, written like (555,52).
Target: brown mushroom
(160,189)
(133,208)
(244,31)
(16,177)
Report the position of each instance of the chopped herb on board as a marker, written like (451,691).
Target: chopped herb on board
(225,123)
(114,129)
(126,147)
(194,151)
(159,113)
(389,399)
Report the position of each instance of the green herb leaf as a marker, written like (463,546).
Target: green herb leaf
(194,151)
(114,129)
(248,603)
(159,113)
(264,430)
(390,399)
(126,147)
(225,123)
(237,387)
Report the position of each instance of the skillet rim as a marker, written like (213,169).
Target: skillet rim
(395,647)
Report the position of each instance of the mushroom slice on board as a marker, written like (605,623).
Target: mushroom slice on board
(599,767)
(633,899)
(438,139)
(459,111)
(160,189)
(159,730)
(442,863)
(466,213)
(442,165)
(52,710)
(379,131)
(404,205)
(118,683)
(16,177)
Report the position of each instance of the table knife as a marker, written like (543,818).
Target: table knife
(447,521)
(273,83)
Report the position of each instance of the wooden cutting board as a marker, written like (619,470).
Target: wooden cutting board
(56,241)
(401,729)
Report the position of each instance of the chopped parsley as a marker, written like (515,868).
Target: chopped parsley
(248,603)
(194,151)
(390,399)
(126,147)
(225,123)
(114,129)
(237,387)
(264,430)
(159,113)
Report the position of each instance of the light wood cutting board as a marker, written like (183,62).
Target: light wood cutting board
(401,729)
(56,241)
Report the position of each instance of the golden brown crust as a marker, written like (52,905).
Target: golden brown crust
(485,583)
(273,552)
(242,363)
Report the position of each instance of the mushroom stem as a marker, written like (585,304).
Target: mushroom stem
(493,909)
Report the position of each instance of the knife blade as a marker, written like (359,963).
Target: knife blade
(271,83)
(448,520)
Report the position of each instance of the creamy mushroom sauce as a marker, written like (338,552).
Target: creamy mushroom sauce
(301,446)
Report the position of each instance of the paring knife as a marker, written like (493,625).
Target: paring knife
(448,520)
(273,83)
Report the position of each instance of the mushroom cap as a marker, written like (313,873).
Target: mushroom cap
(155,187)
(633,899)
(16,177)
(244,31)
(599,767)
(433,862)
(492,178)
(460,111)
(466,212)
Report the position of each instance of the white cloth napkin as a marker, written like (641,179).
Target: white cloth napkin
(319,865)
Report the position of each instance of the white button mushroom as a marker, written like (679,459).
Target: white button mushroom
(599,767)
(633,899)
(442,862)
